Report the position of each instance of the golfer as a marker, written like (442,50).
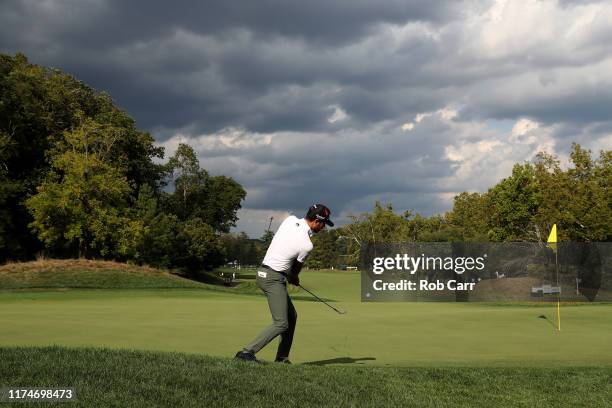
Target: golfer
(283,262)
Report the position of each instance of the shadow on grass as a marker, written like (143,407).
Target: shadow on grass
(340,360)
(548,320)
(245,276)
(203,277)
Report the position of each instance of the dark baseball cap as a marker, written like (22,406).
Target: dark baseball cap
(320,212)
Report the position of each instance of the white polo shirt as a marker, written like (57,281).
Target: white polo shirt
(291,242)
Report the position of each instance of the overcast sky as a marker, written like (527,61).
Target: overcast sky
(342,102)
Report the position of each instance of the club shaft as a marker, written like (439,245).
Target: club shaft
(319,299)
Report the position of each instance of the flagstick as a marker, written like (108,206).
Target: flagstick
(552,244)
(559,292)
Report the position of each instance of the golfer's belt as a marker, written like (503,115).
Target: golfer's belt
(273,270)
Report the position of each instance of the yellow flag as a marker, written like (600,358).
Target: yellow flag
(552,238)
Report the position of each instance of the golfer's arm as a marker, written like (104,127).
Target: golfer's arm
(296,267)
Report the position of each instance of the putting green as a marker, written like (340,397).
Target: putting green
(400,334)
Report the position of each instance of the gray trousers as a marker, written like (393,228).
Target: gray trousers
(284,316)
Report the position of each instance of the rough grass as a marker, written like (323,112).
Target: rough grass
(104,378)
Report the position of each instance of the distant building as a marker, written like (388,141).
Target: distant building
(540,291)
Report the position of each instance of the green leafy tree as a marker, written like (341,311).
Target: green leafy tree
(589,186)
(83,201)
(252,254)
(165,241)
(200,246)
(222,199)
(513,204)
(232,244)
(37,106)
(552,196)
(603,175)
(8,191)
(437,228)
(239,247)
(325,252)
(383,225)
(215,200)
(160,245)
(189,181)
(76,176)
(380,226)
(143,217)
(468,218)
(266,240)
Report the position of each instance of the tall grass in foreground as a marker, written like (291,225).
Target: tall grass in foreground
(104,378)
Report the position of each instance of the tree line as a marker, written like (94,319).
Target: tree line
(521,207)
(77,178)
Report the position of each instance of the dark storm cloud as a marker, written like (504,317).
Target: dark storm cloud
(580,101)
(345,100)
(273,65)
(319,21)
(139,51)
(290,170)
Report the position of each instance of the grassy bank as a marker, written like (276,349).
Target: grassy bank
(83,273)
(65,274)
(105,377)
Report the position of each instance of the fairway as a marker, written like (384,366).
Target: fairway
(399,334)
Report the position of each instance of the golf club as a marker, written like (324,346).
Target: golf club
(321,300)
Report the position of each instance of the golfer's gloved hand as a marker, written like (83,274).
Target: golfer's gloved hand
(293,279)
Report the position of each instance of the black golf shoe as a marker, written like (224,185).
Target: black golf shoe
(245,356)
(284,360)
